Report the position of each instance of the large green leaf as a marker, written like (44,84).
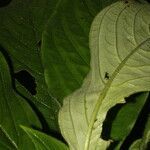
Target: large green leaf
(126,117)
(41,141)
(13,109)
(120,66)
(65,45)
(21,26)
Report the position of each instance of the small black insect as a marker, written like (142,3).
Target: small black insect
(126,2)
(129,1)
(106,75)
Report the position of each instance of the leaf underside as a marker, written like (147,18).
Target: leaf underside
(120,66)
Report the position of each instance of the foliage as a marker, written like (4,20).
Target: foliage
(48,41)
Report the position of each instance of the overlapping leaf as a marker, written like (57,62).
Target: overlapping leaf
(120,66)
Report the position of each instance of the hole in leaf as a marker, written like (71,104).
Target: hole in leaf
(27,80)
(4,3)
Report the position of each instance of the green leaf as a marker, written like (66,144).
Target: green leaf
(13,109)
(41,141)
(65,48)
(120,66)
(21,26)
(127,116)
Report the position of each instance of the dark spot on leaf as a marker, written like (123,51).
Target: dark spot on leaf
(95,120)
(82,18)
(4,3)
(27,80)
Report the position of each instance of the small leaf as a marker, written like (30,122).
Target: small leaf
(14,110)
(41,141)
(119,43)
